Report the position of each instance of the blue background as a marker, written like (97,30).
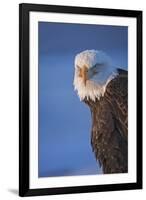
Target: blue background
(64,121)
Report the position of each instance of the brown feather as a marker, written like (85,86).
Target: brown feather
(110,126)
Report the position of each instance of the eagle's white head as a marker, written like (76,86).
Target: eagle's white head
(93,71)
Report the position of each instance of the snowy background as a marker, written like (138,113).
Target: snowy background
(64,121)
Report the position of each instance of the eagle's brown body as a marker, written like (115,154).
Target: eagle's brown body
(109,135)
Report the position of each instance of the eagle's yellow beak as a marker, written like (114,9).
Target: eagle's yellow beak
(83,73)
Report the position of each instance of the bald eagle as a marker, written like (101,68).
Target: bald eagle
(103,87)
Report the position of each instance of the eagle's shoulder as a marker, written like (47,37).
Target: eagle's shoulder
(122,71)
(119,84)
(117,96)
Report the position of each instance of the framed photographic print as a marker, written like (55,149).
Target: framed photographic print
(80,99)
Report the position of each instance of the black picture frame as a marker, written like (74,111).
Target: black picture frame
(24,105)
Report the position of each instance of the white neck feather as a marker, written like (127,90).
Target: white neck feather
(96,85)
